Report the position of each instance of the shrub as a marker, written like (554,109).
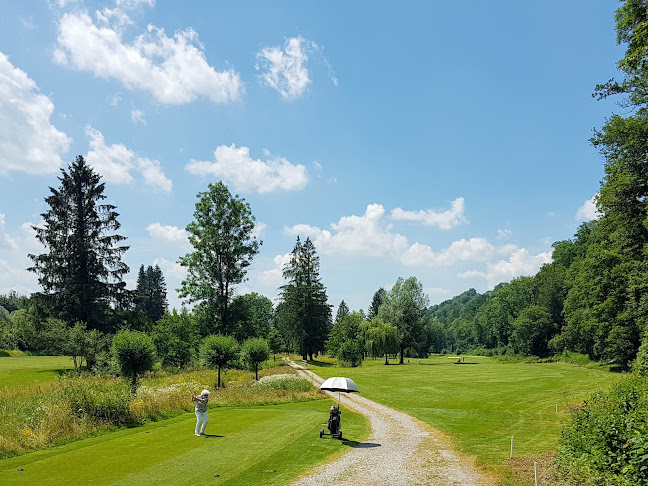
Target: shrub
(255,351)
(134,353)
(640,365)
(100,401)
(607,440)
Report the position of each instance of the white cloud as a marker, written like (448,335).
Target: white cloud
(285,70)
(28,141)
(173,69)
(14,247)
(444,220)
(588,211)
(171,269)
(234,164)
(138,116)
(169,233)
(153,175)
(472,274)
(115,163)
(274,276)
(365,235)
(474,249)
(521,262)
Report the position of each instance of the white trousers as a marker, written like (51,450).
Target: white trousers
(202,421)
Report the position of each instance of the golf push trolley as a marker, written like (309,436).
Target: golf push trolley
(333,423)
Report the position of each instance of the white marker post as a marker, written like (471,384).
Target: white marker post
(511,457)
(535,471)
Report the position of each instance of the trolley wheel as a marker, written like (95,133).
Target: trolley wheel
(321,433)
(340,435)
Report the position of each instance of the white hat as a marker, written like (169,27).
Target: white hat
(205,392)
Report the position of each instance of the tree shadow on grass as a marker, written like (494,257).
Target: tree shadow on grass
(322,364)
(212,436)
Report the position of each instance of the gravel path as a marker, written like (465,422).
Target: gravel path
(400,451)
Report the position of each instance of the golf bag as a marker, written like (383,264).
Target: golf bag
(334,423)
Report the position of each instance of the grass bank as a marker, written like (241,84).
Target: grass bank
(481,402)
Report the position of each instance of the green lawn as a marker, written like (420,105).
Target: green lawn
(23,371)
(480,405)
(248,445)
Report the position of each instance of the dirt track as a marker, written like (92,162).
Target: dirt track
(400,451)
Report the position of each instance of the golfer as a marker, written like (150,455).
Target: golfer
(201,411)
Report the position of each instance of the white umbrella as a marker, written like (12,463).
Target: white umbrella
(340,384)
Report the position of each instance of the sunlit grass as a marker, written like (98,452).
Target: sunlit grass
(479,405)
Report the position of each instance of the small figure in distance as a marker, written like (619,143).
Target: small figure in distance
(201,411)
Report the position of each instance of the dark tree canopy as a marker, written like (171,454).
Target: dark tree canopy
(82,272)
(151,293)
(304,314)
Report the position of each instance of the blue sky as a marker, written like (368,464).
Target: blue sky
(442,140)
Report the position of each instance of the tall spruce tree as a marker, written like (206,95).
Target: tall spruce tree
(378,298)
(304,312)
(224,246)
(82,272)
(151,292)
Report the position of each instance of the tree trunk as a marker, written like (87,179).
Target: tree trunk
(218,386)
(256,371)
(402,351)
(134,384)
(386,359)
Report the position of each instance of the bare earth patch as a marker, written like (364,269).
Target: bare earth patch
(400,451)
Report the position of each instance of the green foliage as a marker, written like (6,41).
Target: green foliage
(640,365)
(607,439)
(254,352)
(223,247)
(219,351)
(405,308)
(251,315)
(151,293)
(82,272)
(134,353)
(304,316)
(175,337)
(376,301)
(381,339)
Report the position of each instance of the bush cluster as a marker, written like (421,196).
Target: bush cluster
(606,442)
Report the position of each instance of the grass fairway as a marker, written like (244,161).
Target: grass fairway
(270,445)
(480,405)
(23,371)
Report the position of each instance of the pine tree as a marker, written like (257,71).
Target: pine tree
(342,311)
(150,294)
(378,298)
(82,272)
(305,313)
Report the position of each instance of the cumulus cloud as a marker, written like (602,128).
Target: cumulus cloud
(473,249)
(173,69)
(444,220)
(28,141)
(504,234)
(369,235)
(366,235)
(274,276)
(521,262)
(285,70)
(588,211)
(153,175)
(115,163)
(14,247)
(234,164)
(258,230)
(169,233)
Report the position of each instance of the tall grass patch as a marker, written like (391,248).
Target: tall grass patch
(76,406)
